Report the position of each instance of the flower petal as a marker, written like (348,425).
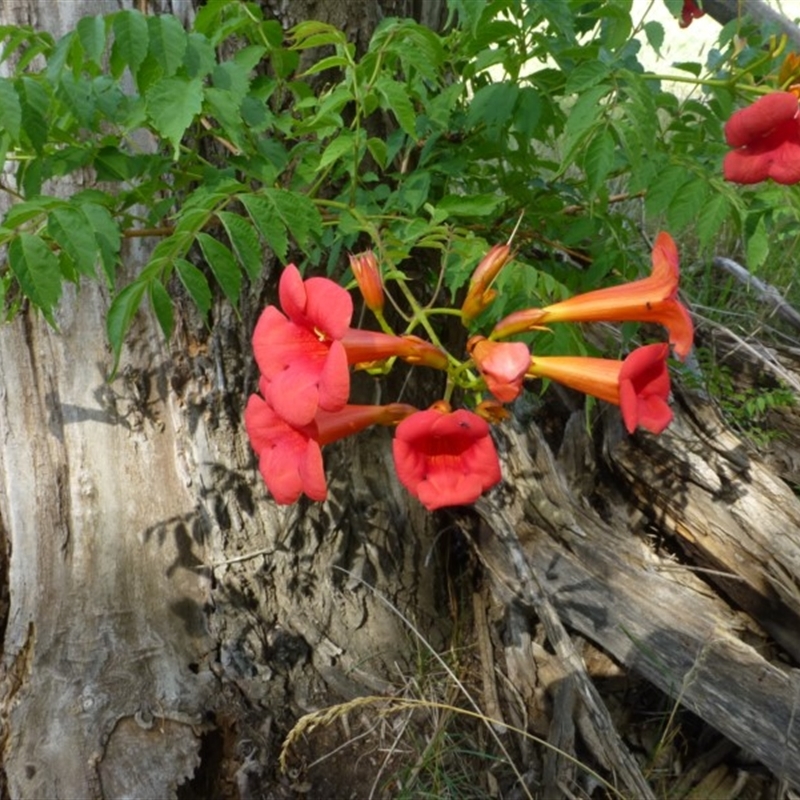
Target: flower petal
(644,387)
(758,119)
(272,329)
(318,304)
(292,293)
(312,473)
(294,394)
(666,263)
(329,307)
(259,422)
(334,379)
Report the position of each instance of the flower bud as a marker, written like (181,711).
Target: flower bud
(480,295)
(492,411)
(368,276)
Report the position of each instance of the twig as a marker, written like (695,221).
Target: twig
(490,699)
(765,293)
(614,198)
(236,559)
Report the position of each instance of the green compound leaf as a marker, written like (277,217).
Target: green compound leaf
(223,265)
(36,268)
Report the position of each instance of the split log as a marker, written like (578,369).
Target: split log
(544,545)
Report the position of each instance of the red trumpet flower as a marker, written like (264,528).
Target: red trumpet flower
(290,458)
(766,136)
(300,353)
(639,384)
(652,299)
(444,457)
(502,364)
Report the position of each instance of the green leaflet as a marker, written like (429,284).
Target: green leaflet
(172,105)
(223,265)
(244,241)
(10,109)
(167,42)
(120,315)
(36,268)
(72,230)
(162,306)
(130,41)
(195,284)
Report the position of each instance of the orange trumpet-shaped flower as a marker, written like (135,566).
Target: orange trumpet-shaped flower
(502,364)
(639,385)
(365,346)
(652,299)
(480,295)
(368,277)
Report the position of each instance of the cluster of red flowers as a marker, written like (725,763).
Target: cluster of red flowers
(306,348)
(445,457)
(304,354)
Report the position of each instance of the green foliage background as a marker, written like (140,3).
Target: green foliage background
(428,148)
